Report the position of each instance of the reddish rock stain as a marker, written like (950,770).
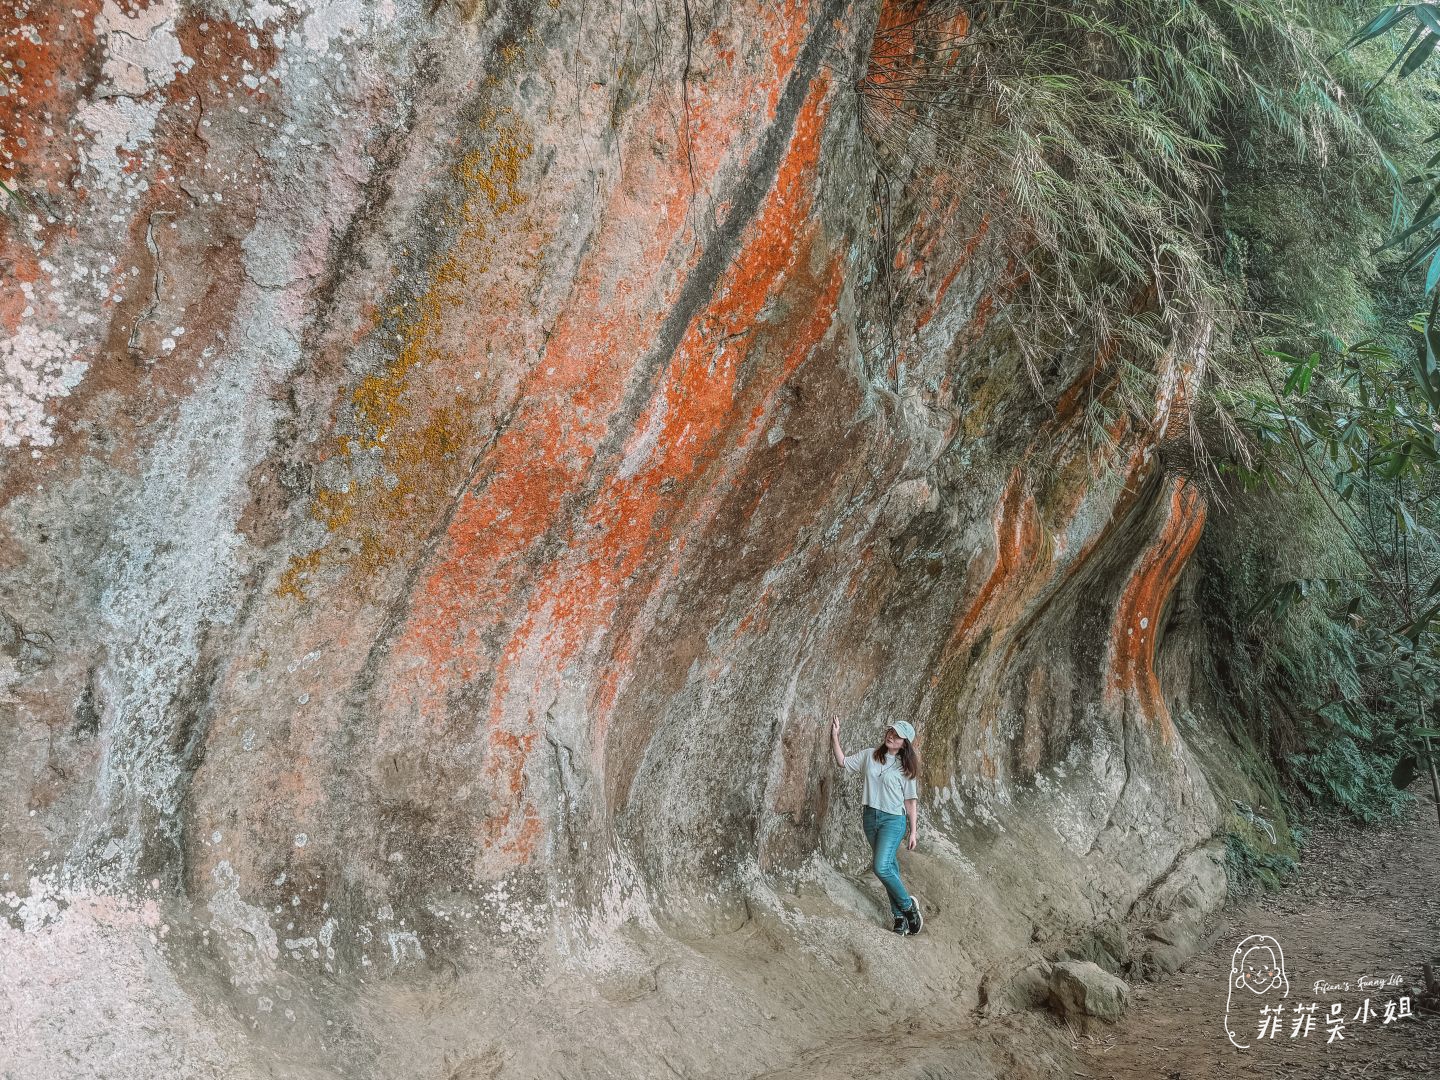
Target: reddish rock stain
(540,461)
(1138,613)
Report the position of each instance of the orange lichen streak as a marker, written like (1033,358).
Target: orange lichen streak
(697,410)
(1141,607)
(1018,557)
(903,27)
(721,382)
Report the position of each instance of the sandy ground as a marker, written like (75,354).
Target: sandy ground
(1364,903)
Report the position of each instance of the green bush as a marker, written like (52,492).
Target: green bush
(1250,867)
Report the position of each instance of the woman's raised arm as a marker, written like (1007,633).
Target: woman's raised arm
(835,741)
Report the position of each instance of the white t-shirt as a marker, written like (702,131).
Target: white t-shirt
(886,785)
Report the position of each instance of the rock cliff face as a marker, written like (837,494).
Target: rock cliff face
(456,460)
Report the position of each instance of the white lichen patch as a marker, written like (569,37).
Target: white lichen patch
(142,52)
(254,946)
(36,365)
(404,946)
(142,56)
(330,20)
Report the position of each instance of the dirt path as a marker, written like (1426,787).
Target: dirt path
(1364,903)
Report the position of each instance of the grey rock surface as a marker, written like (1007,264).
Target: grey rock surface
(1079,988)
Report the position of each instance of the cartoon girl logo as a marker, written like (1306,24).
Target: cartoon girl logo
(1257,965)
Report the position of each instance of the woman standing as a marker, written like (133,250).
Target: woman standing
(890,794)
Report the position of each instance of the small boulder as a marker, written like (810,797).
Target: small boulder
(1080,989)
(1025,989)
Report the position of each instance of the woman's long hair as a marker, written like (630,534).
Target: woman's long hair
(909,759)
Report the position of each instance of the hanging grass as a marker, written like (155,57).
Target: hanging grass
(1154,161)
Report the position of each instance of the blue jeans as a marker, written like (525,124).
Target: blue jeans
(885,831)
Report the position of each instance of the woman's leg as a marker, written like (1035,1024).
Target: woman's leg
(870,822)
(890,831)
(871,826)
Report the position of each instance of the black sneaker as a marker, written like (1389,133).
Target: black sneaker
(913,919)
(902,925)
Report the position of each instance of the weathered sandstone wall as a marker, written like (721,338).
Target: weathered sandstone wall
(456,459)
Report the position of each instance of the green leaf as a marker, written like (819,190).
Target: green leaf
(1424,251)
(1403,518)
(1427,356)
(1300,377)
(1391,465)
(1432,275)
(1427,202)
(1420,625)
(1420,54)
(1416,225)
(1376,26)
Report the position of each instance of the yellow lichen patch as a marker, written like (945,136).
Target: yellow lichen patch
(987,392)
(420,450)
(470,10)
(297,571)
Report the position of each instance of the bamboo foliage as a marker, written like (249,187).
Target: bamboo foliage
(1106,133)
